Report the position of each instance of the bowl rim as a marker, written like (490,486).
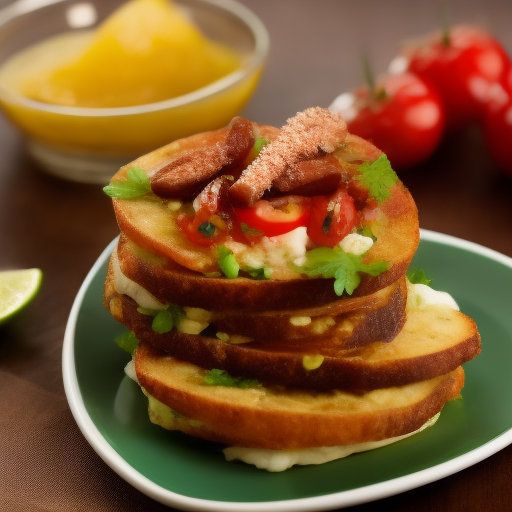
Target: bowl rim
(240,11)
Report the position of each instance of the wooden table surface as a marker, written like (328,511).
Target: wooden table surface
(61,227)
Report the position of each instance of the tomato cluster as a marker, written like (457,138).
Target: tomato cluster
(439,85)
(327,219)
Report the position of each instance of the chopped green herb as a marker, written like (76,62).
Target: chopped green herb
(207,229)
(418,276)
(127,341)
(137,184)
(163,322)
(217,377)
(378,177)
(258,272)
(227,262)
(164,319)
(259,143)
(340,265)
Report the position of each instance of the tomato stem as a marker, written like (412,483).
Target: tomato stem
(445,25)
(368,76)
(375,95)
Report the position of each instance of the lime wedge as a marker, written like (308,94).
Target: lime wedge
(17,289)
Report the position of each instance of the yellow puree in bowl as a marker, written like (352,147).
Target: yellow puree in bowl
(147,51)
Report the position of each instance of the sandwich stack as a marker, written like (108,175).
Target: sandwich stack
(262,275)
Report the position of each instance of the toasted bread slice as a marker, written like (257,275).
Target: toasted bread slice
(150,224)
(172,283)
(274,418)
(434,340)
(378,318)
(148,220)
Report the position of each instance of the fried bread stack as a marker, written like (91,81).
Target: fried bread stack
(297,328)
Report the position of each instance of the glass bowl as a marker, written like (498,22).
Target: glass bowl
(90,144)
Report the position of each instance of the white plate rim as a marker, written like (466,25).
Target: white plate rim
(340,499)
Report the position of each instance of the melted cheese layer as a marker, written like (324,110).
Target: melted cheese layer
(280,460)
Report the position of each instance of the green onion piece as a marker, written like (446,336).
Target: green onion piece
(217,377)
(259,143)
(163,322)
(127,341)
(258,272)
(227,262)
(207,229)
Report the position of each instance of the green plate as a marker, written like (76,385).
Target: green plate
(191,474)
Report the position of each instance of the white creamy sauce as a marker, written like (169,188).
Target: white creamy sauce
(421,295)
(125,286)
(280,460)
(129,370)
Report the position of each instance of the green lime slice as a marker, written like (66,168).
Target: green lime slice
(17,289)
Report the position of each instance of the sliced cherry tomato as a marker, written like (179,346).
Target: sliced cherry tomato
(211,222)
(276,216)
(462,66)
(332,218)
(402,116)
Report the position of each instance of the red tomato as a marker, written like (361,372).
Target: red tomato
(403,117)
(462,68)
(277,216)
(332,218)
(211,221)
(497,128)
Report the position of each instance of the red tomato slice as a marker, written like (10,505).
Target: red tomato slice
(332,218)
(277,216)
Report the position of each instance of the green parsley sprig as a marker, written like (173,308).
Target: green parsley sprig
(137,184)
(217,377)
(418,276)
(344,267)
(378,177)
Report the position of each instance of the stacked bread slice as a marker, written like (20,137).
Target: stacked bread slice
(277,358)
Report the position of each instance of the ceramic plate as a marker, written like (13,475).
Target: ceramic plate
(192,475)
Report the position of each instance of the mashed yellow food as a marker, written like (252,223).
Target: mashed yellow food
(147,51)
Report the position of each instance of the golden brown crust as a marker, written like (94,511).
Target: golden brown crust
(289,419)
(150,226)
(434,340)
(352,324)
(170,283)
